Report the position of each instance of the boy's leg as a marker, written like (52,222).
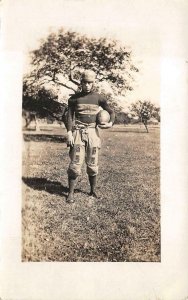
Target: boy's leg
(77,154)
(92,169)
(72,185)
(93,147)
(93,182)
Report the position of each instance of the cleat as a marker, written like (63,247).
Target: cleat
(94,194)
(70,198)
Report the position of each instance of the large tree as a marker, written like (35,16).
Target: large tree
(62,56)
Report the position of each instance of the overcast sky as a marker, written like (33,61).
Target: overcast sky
(151,28)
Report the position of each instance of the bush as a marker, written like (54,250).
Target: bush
(122,118)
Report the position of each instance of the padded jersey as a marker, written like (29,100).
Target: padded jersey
(85,106)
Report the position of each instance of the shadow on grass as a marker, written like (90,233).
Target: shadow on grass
(51,187)
(44,138)
(129,130)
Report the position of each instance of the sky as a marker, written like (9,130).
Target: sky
(149,28)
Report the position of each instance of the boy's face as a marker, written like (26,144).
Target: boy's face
(87,86)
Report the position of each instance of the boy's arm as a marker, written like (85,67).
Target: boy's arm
(103,103)
(70,116)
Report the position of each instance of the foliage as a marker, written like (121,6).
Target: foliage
(156,113)
(122,118)
(62,57)
(43,103)
(153,110)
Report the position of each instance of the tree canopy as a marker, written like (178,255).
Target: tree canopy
(62,56)
(154,111)
(44,104)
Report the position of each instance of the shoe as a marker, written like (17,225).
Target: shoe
(70,198)
(94,194)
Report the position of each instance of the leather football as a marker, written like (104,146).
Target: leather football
(102,116)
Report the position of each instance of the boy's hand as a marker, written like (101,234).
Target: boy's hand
(105,125)
(70,139)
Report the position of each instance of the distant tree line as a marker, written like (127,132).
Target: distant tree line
(44,104)
(133,114)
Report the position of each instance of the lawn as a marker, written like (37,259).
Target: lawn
(124,225)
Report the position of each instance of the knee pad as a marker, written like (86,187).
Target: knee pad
(92,170)
(74,171)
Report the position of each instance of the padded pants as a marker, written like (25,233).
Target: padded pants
(86,148)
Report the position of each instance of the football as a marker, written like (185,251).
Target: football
(102,116)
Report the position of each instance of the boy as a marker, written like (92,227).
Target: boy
(83,136)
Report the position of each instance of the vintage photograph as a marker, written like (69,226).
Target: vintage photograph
(91,136)
(93,189)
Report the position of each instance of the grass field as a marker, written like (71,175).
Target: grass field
(122,226)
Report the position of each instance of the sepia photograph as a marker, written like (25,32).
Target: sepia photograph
(93,150)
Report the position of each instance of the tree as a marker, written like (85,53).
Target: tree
(62,57)
(144,110)
(136,108)
(42,103)
(122,118)
(156,113)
